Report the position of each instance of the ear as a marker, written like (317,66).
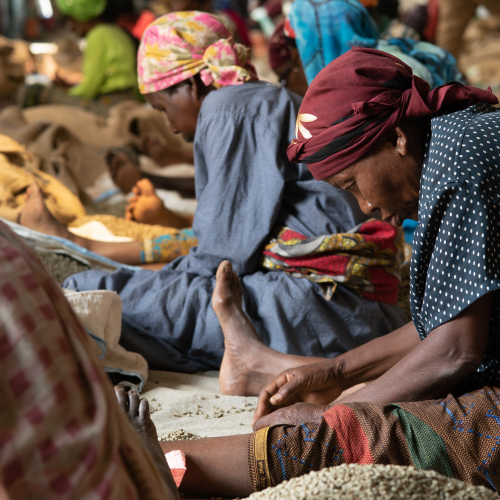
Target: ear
(401,145)
(197,90)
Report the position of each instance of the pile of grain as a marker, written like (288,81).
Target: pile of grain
(374,482)
(123,227)
(60,266)
(180,435)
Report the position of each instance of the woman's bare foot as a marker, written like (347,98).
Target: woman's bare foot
(247,365)
(124,171)
(137,412)
(147,207)
(34,215)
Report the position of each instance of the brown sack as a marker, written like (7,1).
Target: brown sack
(128,123)
(60,153)
(17,172)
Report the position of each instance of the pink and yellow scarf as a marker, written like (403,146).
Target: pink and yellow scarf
(180,45)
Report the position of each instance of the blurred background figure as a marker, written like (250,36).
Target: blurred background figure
(454,16)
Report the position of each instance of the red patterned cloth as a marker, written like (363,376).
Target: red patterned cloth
(62,433)
(366,259)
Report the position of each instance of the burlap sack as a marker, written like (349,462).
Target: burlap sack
(18,170)
(61,154)
(14,59)
(127,125)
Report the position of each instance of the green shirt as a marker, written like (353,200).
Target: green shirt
(109,63)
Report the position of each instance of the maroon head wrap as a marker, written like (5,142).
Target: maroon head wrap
(279,44)
(358,100)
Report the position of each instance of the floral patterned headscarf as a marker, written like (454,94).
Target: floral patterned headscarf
(180,45)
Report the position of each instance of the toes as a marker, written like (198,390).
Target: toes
(224,267)
(133,403)
(146,187)
(122,398)
(144,409)
(32,190)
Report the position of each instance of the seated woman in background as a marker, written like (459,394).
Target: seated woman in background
(109,62)
(433,400)
(321,31)
(246,188)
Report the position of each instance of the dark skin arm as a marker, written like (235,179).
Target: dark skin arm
(405,369)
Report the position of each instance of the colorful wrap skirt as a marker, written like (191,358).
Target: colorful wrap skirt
(458,437)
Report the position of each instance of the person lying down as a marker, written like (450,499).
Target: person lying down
(145,206)
(433,400)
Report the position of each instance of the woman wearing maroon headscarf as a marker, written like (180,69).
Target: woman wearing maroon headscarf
(368,126)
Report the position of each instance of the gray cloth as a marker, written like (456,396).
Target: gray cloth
(245,187)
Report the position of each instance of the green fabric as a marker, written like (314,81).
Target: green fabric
(427,449)
(81,10)
(109,63)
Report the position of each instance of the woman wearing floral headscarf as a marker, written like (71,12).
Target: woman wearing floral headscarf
(190,68)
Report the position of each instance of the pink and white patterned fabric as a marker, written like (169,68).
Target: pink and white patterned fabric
(180,45)
(62,433)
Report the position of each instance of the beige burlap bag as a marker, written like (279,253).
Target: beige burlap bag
(18,170)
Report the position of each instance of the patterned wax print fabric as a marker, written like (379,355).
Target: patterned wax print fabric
(457,241)
(168,247)
(62,433)
(325,30)
(367,259)
(454,436)
(244,192)
(180,45)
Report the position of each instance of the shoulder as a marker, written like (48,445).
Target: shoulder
(451,149)
(105,34)
(101,32)
(258,101)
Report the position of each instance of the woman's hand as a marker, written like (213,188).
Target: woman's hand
(319,384)
(296,414)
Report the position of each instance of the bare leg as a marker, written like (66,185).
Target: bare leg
(215,466)
(137,412)
(248,365)
(35,215)
(147,208)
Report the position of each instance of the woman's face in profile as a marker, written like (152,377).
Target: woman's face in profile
(387,181)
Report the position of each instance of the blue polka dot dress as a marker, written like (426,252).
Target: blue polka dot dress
(456,245)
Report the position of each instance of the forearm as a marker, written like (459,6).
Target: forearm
(372,360)
(437,364)
(427,372)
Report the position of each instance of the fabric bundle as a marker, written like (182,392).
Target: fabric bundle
(180,45)
(358,100)
(367,259)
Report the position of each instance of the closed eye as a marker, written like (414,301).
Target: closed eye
(350,186)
